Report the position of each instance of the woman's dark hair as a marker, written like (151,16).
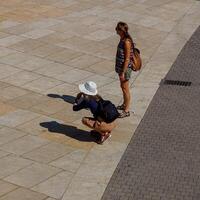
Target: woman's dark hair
(95,97)
(122,26)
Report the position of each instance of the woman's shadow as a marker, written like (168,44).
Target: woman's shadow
(70,131)
(66,98)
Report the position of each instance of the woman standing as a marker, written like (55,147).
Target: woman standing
(123,66)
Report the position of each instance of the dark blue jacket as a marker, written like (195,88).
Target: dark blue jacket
(87,104)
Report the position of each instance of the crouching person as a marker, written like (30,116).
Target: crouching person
(104,112)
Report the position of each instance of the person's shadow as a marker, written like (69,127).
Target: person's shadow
(70,131)
(66,98)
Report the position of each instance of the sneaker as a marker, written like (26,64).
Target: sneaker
(121,107)
(96,135)
(124,114)
(103,138)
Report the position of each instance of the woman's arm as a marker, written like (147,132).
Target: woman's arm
(79,106)
(80,102)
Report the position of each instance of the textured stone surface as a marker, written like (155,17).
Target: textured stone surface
(23,194)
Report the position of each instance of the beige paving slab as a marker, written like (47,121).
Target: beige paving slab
(64,90)
(73,43)
(17,117)
(11,164)
(123,137)
(84,189)
(8,23)
(107,155)
(3,35)
(48,153)
(76,138)
(23,194)
(164,25)
(54,12)
(27,45)
(185,29)
(6,187)
(112,88)
(71,161)
(21,78)
(141,102)
(61,28)
(32,175)
(107,53)
(45,22)
(5,108)
(38,33)
(13,39)
(69,116)
(56,37)
(53,69)
(99,35)
(33,63)
(56,185)
(3,85)
(11,92)
(3,153)
(50,107)
(5,51)
(6,70)
(94,48)
(181,5)
(100,80)
(34,126)
(19,29)
(96,172)
(14,59)
(24,144)
(102,67)
(73,75)
(28,100)
(63,56)
(9,134)
(83,61)
(50,198)
(46,50)
(42,84)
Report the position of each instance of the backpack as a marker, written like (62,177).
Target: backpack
(107,111)
(136,59)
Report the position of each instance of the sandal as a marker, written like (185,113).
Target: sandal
(103,138)
(124,114)
(121,107)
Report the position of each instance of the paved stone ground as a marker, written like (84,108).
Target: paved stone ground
(48,47)
(162,159)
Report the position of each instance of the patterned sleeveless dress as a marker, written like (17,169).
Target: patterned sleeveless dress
(120,58)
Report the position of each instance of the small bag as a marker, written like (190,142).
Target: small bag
(107,111)
(136,59)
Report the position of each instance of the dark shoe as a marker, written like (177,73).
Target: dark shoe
(103,138)
(95,135)
(124,114)
(121,107)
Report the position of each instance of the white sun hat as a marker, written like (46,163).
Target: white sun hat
(89,88)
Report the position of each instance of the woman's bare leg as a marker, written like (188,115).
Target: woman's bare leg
(126,95)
